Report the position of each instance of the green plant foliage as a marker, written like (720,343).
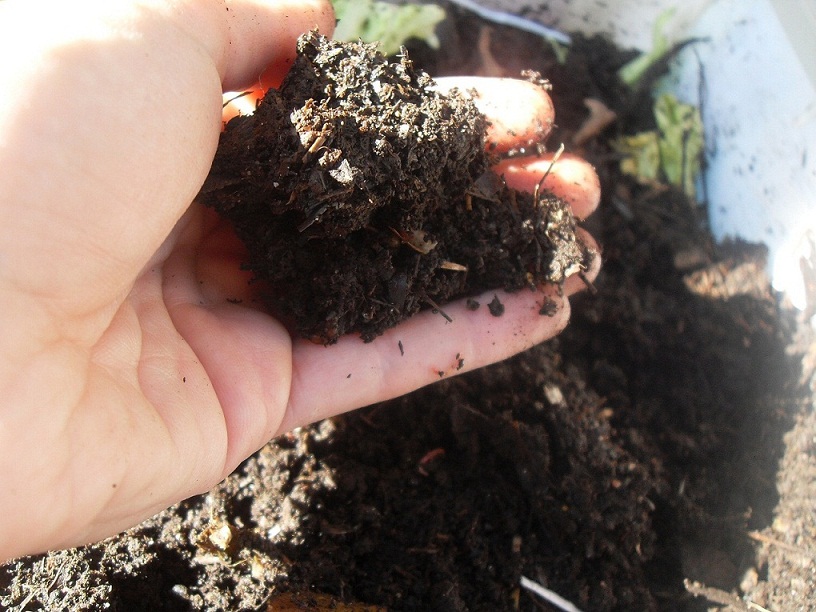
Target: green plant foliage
(631,72)
(388,24)
(671,153)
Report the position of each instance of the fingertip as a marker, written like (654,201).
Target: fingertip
(569,178)
(520,113)
(505,324)
(580,282)
(259,42)
(421,350)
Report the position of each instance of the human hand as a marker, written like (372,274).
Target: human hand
(129,379)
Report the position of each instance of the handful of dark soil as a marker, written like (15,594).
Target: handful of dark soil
(360,194)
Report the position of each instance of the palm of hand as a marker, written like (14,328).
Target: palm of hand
(137,367)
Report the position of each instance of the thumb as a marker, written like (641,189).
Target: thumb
(111,129)
(250,40)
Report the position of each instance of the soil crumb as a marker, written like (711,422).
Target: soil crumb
(351,187)
(495,307)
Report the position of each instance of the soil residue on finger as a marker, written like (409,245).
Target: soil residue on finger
(353,188)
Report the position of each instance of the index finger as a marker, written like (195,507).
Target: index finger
(521,116)
(520,113)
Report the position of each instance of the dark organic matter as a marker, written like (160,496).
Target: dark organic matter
(352,188)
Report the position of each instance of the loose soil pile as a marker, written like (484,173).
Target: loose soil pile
(659,454)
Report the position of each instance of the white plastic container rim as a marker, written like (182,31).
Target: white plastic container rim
(757,71)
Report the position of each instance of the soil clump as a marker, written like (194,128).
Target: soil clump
(354,188)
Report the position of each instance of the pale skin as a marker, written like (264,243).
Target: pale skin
(128,380)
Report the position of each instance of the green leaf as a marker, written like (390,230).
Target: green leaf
(641,155)
(631,72)
(671,153)
(681,141)
(388,24)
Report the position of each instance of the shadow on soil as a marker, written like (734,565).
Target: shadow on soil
(635,451)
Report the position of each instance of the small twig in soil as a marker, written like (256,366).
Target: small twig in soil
(234,98)
(760,537)
(453,266)
(592,288)
(552,597)
(538,207)
(714,595)
(556,157)
(437,308)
